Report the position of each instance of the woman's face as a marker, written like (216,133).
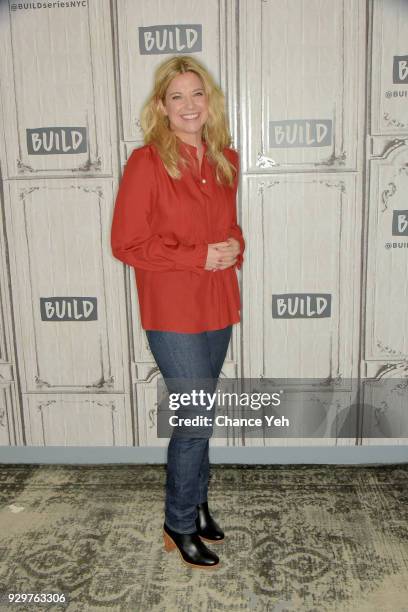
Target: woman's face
(186,105)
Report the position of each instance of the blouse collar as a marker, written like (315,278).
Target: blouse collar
(191,148)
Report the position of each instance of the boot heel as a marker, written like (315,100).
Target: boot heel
(169,545)
(192,550)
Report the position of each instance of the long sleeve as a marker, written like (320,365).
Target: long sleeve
(235,230)
(132,239)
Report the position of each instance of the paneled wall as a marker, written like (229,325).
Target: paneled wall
(67,311)
(385,353)
(317,101)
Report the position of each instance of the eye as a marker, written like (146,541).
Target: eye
(199,93)
(175,97)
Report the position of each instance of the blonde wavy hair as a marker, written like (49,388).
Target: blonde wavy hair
(155,123)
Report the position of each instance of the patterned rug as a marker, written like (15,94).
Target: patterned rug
(309,538)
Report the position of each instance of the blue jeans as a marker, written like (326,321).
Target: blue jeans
(191,356)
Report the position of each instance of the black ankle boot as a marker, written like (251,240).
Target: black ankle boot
(192,550)
(206,526)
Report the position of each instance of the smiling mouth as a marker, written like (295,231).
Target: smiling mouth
(191,117)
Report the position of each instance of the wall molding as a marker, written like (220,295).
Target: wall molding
(375,455)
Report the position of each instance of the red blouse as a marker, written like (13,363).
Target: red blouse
(162,227)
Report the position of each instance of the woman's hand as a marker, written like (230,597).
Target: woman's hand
(222,255)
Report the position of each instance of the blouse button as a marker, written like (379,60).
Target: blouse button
(203,181)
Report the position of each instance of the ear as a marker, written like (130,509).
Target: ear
(161,107)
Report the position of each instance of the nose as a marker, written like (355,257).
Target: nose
(190,103)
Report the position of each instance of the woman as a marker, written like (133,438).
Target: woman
(175,223)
